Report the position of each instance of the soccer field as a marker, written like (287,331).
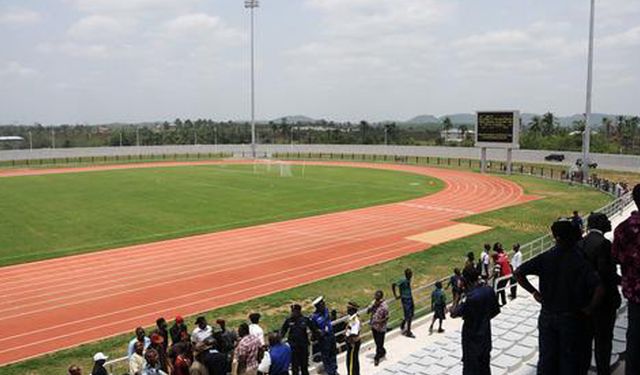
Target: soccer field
(54,215)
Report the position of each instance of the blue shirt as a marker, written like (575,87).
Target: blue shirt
(477,310)
(280,359)
(323,321)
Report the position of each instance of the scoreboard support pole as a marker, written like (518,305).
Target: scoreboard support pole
(509,160)
(483,160)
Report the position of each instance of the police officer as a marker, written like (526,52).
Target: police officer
(477,307)
(569,291)
(326,339)
(298,327)
(597,250)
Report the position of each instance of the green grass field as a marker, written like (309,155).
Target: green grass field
(514,224)
(56,215)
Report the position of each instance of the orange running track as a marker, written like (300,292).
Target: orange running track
(54,304)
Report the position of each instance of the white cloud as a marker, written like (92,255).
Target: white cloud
(100,27)
(628,38)
(78,50)
(16,69)
(19,16)
(201,27)
(128,6)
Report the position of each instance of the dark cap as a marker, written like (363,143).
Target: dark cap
(599,221)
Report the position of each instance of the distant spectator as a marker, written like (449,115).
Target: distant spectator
(455,283)
(226,340)
(180,360)
(153,366)
(215,361)
(246,353)
(569,291)
(484,262)
(298,327)
(438,306)
(626,252)
(479,306)
(198,365)
(353,339)
(406,298)
(470,262)
(99,359)
(278,359)
(502,261)
(577,222)
(379,318)
(254,327)
(326,339)
(597,250)
(175,330)
(137,361)
(140,337)
(202,331)
(516,261)
(75,370)
(157,343)
(162,330)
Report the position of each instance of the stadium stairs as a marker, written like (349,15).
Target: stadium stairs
(515,342)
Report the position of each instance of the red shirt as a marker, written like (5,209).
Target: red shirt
(626,252)
(505,267)
(181,365)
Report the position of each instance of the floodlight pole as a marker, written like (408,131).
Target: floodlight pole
(30,141)
(586,138)
(53,138)
(251,5)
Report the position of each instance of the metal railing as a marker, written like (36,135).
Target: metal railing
(421,294)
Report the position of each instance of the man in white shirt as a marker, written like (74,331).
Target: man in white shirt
(254,327)
(352,334)
(516,261)
(140,337)
(484,261)
(202,331)
(137,361)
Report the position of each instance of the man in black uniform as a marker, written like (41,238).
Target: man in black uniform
(597,250)
(569,292)
(298,327)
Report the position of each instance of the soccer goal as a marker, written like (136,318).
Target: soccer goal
(274,167)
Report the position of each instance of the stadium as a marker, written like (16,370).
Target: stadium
(494,242)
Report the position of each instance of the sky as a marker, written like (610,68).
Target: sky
(102,61)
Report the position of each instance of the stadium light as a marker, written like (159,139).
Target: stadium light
(586,137)
(251,5)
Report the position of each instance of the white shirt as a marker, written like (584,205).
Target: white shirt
(353,326)
(132,345)
(257,331)
(265,364)
(199,335)
(485,258)
(137,363)
(516,260)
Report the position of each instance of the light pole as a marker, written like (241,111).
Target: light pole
(586,138)
(30,141)
(138,136)
(53,137)
(252,5)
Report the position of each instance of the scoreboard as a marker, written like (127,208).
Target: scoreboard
(498,129)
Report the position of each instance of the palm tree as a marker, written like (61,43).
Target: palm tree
(549,124)
(607,125)
(535,125)
(464,129)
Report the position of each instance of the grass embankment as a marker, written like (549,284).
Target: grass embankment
(54,215)
(514,224)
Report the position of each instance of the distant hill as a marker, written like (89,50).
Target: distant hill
(296,119)
(423,119)
(460,118)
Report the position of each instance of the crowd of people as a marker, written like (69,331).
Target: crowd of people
(577,288)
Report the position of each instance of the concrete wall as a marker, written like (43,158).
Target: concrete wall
(605,161)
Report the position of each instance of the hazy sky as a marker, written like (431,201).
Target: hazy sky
(100,61)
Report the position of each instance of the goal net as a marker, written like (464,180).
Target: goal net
(273,167)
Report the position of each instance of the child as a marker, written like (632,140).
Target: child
(455,282)
(438,305)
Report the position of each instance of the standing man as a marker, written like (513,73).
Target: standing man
(504,267)
(516,261)
(379,317)
(246,353)
(326,339)
(477,307)
(202,331)
(406,299)
(626,252)
(577,221)
(141,336)
(137,361)
(484,261)
(175,330)
(569,291)
(254,327)
(297,326)
(597,250)
(278,359)
(353,339)
(162,330)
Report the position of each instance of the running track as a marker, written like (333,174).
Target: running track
(54,304)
